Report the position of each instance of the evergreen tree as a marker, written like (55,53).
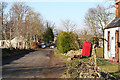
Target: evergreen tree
(48,35)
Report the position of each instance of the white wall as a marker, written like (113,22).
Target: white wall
(119,41)
(16,40)
(110,53)
(6,43)
(0,43)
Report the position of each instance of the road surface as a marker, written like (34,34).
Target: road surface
(37,64)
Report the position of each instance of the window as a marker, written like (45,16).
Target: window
(108,40)
(20,43)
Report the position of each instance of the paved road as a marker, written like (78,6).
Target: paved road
(37,64)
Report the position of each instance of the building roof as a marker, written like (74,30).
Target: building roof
(114,23)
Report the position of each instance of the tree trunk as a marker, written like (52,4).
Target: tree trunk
(10,40)
(36,38)
(3,29)
(30,41)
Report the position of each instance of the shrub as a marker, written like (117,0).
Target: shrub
(94,40)
(67,41)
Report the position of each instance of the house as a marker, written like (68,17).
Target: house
(16,42)
(4,43)
(112,37)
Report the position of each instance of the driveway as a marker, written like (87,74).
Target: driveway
(38,64)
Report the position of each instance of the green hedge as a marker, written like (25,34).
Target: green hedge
(67,41)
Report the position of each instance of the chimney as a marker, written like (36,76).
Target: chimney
(117,8)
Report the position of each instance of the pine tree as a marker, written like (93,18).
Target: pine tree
(48,35)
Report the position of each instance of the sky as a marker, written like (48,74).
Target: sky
(55,12)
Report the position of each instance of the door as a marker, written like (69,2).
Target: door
(116,45)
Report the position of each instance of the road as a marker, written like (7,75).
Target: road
(37,64)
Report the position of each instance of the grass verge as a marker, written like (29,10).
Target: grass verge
(109,67)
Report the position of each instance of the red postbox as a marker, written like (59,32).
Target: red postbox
(86,48)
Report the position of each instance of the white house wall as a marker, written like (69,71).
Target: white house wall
(0,43)
(6,43)
(119,41)
(15,42)
(111,52)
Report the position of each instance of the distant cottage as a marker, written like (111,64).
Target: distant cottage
(16,42)
(112,37)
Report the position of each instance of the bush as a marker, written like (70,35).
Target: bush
(94,40)
(67,41)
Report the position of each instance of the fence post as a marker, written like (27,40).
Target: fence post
(94,55)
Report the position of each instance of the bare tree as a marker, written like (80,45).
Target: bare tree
(19,11)
(84,31)
(69,25)
(34,26)
(97,18)
(3,5)
(3,21)
(21,20)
